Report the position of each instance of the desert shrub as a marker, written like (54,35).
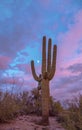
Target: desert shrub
(26,105)
(71,121)
(55,107)
(12,104)
(58,108)
(36,101)
(67,123)
(71,118)
(80,104)
(8,107)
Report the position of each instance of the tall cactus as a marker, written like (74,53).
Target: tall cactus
(48,71)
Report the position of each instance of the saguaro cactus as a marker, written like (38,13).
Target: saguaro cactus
(48,71)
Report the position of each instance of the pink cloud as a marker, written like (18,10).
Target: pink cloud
(61,69)
(4,62)
(70,40)
(67,49)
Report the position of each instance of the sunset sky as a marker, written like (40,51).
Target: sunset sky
(23,23)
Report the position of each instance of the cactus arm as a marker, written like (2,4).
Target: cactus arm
(33,71)
(53,68)
(44,56)
(49,56)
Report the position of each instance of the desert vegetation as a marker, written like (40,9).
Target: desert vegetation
(15,104)
(29,103)
(71,118)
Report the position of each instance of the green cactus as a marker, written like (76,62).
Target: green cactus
(48,71)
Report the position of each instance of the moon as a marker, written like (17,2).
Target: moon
(38,61)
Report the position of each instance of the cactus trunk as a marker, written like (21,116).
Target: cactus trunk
(48,71)
(45,101)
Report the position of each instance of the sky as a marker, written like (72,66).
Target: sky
(23,23)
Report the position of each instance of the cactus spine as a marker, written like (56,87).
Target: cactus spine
(48,71)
